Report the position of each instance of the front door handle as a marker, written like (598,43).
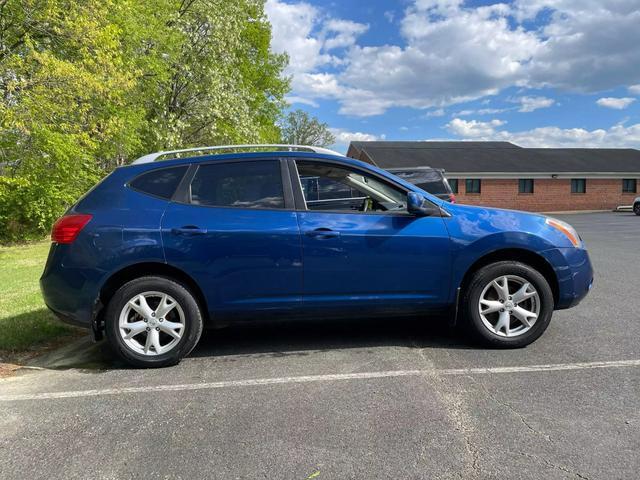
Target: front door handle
(189,230)
(322,233)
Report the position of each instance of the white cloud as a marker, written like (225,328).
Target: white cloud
(473,128)
(344,137)
(617,136)
(529,104)
(292,99)
(345,33)
(615,103)
(481,111)
(452,53)
(588,45)
(634,89)
(292,26)
(435,113)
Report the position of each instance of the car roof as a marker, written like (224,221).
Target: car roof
(247,156)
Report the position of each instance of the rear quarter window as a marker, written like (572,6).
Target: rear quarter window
(159,183)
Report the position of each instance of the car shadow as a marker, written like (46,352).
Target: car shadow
(282,338)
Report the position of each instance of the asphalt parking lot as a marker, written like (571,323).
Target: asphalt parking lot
(395,399)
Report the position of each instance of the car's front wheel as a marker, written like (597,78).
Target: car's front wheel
(507,304)
(636,208)
(153,322)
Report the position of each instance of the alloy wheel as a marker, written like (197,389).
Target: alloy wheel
(151,323)
(509,306)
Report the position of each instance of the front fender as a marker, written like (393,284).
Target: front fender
(476,232)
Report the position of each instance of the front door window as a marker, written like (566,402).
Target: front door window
(332,188)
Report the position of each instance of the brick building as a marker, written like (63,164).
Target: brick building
(502,174)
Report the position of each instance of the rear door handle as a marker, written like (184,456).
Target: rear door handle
(322,233)
(189,230)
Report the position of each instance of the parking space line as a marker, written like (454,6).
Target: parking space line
(320,378)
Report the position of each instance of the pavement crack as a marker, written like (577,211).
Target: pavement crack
(549,463)
(506,405)
(453,404)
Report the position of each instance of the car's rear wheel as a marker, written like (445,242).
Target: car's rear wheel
(507,304)
(636,208)
(153,322)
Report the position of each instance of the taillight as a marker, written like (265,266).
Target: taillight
(67,228)
(452,198)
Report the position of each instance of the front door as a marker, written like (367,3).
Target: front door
(362,250)
(236,236)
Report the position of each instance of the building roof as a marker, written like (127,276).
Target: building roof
(496,157)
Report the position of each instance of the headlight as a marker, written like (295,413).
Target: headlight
(567,229)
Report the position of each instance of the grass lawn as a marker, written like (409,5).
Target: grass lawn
(26,325)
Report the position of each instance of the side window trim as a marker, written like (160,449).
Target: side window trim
(298,196)
(181,194)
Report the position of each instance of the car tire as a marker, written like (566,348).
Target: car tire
(636,208)
(132,310)
(510,326)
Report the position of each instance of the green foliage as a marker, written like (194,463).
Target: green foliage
(302,129)
(88,85)
(24,321)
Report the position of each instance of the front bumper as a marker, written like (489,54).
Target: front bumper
(574,272)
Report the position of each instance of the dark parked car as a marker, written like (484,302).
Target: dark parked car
(429,179)
(161,249)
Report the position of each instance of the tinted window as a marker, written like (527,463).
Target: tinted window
(239,184)
(473,185)
(525,185)
(161,183)
(578,185)
(453,183)
(430,181)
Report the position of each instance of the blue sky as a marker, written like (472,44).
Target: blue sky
(539,73)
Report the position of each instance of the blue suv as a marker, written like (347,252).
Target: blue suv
(167,246)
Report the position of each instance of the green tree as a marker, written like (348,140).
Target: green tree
(300,128)
(88,85)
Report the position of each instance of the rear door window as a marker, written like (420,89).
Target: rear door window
(159,183)
(245,184)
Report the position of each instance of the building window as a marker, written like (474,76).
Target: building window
(629,185)
(453,183)
(578,185)
(525,185)
(473,185)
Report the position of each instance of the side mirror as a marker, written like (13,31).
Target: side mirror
(419,206)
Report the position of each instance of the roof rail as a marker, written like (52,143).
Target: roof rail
(198,151)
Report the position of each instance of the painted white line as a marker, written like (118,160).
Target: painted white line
(319,378)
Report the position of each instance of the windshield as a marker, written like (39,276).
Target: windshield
(431,181)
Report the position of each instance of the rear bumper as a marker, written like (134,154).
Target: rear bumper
(66,291)
(66,308)
(574,272)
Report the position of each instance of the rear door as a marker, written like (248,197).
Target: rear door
(234,230)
